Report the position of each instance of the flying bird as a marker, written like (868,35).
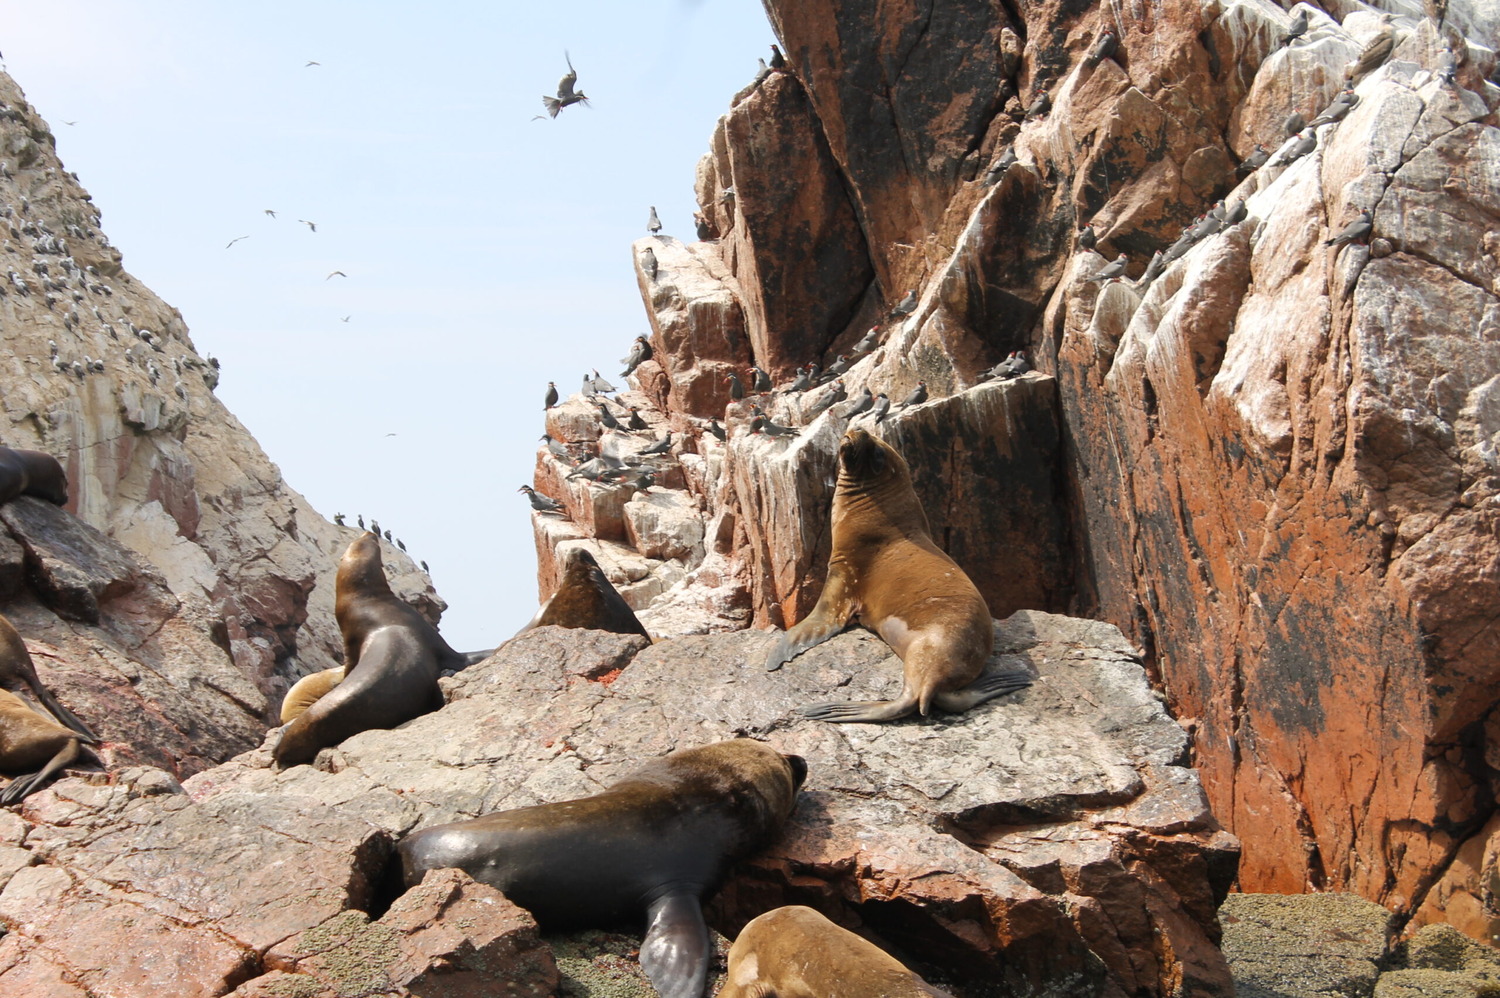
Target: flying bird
(271,212)
(311,225)
(336,273)
(70,123)
(566,95)
(312,62)
(234,240)
(346,318)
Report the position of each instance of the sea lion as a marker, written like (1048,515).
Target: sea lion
(32,473)
(29,738)
(885,568)
(16,668)
(585,598)
(307,691)
(392,658)
(794,952)
(661,839)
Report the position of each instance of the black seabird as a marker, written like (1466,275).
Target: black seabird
(566,95)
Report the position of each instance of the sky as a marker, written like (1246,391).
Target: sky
(486,253)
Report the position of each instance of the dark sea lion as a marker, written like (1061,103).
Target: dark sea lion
(307,691)
(29,738)
(659,840)
(392,658)
(585,598)
(16,668)
(885,568)
(794,952)
(32,473)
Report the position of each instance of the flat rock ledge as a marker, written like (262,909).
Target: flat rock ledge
(1051,842)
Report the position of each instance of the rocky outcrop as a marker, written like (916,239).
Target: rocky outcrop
(1273,465)
(187,585)
(1051,841)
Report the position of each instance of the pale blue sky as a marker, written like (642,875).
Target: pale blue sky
(486,253)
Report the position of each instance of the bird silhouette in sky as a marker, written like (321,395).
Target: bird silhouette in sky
(566,95)
(234,240)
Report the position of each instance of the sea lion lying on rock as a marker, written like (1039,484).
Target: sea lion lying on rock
(32,473)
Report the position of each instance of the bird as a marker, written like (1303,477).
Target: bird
(387,534)
(1294,123)
(917,397)
(841,364)
(716,429)
(1235,214)
(606,417)
(760,381)
(539,502)
(997,170)
(566,95)
(601,386)
(557,448)
(1373,56)
(1111,270)
(312,226)
(361,521)
(802,382)
(881,406)
(336,273)
(835,394)
(907,305)
(661,446)
(271,212)
(70,123)
(640,352)
(861,404)
(551,399)
(1014,365)
(338,519)
(1296,29)
(1447,70)
(346,318)
(1358,229)
(1306,143)
(1040,105)
(762,71)
(374,526)
(1087,238)
(1342,105)
(1104,47)
(760,424)
(635,422)
(1255,160)
(425,568)
(1154,268)
(648,263)
(866,342)
(400,545)
(653,224)
(736,390)
(311,62)
(234,240)
(701,227)
(778,61)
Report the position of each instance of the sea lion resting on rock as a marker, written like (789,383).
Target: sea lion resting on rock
(307,691)
(585,598)
(885,567)
(660,839)
(794,952)
(16,668)
(392,658)
(32,473)
(29,738)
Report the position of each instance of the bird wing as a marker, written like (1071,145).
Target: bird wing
(565,85)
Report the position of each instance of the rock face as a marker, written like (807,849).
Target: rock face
(1048,843)
(1273,466)
(186,585)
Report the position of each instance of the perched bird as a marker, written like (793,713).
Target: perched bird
(835,394)
(778,61)
(736,390)
(1104,47)
(717,430)
(606,417)
(1181,246)
(862,404)
(336,273)
(425,568)
(997,170)
(726,195)
(1087,238)
(566,95)
(591,470)
(917,397)
(881,406)
(600,385)
(1373,56)
(701,227)
(760,424)
(635,422)
(649,266)
(1040,105)
(1447,70)
(1296,29)
(400,545)
(1293,124)
(1359,229)
(866,342)
(1341,105)
(387,535)
(1154,268)
(1255,160)
(640,352)
(1306,143)
(374,526)
(760,381)
(841,364)
(234,240)
(907,305)
(1014,365)
(1235,214)
(338,519)
(539,502)
(557,449)
(661,446)
(361,521)
(762,71)
(653,224)
(802,382)
(551,399)
(312,226)
(1110,271)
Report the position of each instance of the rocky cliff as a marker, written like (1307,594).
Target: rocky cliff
(1272,462)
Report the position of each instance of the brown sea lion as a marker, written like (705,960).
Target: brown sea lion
(585,598)
(29,738)
(794,952)
(307,691)
(32,473)
(885,568)
(392,658)
(16,668)
(659,840)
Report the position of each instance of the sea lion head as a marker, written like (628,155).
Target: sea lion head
(360,571)
(759,783)
(870,463)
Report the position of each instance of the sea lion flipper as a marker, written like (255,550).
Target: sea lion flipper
(860,710)
(675,952)
(986,687)
(22,786)
(831,615)
(64,716)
